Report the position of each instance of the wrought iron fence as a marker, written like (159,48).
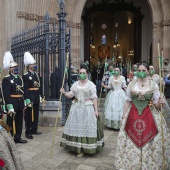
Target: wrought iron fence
(48,42)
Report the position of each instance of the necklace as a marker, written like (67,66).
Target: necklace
(142,84)
(116,81)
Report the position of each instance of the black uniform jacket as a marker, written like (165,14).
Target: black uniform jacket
(9,86)
(30,80)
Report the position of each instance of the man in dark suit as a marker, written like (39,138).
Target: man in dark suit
(31,96)
(98,75)
(55,89)
(12,86)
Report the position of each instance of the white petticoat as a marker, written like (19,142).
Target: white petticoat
(81,121)
(114,105)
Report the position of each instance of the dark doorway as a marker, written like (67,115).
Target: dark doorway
(112,30)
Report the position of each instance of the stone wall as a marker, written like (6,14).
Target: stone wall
(23,14)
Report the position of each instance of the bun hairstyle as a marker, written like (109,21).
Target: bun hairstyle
(84,67)
(118,68)
(145,64)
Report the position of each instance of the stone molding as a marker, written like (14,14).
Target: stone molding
(35,17)
(76,25)
(161,24)
(166,23)
(157,24)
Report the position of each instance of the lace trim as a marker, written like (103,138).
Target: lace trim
(83,145)
(149,91)
(81,132)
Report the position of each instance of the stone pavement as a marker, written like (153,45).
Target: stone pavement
(36,153)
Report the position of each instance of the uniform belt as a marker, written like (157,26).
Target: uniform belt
(33,88)
(16,95)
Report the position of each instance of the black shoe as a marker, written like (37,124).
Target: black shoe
(36,133)
(20,141)
(29,136)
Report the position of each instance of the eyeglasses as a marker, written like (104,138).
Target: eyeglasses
(82,73)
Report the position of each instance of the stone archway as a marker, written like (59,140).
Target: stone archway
(112,10)
(159,10)
(160,20)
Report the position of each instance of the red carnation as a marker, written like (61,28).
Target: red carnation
(2,163)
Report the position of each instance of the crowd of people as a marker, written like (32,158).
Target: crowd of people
(133,108)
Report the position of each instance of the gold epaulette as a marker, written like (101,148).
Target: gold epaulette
(7,75)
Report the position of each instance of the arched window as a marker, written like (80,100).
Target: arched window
(103,39)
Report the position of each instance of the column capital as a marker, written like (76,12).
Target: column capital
(157,24)
(76,25)
(166,23)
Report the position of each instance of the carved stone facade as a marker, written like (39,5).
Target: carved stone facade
(23,14)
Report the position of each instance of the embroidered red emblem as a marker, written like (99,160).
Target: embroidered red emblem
(140,129)
(2,163)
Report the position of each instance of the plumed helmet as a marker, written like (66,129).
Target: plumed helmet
(13,64)
(8,61)
(28,59)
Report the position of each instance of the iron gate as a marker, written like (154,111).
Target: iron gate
(48,42)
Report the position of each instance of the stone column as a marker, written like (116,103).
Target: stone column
(157,38)
(166,38)
(76,30)
(75,44)
(2,30)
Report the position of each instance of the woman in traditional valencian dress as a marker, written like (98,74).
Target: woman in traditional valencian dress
(154,77)
(139,143)
(157,79)
(113,107)
(82,132)
(9,154)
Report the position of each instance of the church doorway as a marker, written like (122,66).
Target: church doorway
(113,31)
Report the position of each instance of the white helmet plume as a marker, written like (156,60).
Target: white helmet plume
(28,59)
(8,59)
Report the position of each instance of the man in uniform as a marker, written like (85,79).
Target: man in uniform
(98,74)
(31,96)
(12,87)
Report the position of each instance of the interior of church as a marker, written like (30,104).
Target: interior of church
(112,37)
(117,31)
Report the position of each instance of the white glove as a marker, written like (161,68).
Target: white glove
(11,111)
(29,105)
(41,99)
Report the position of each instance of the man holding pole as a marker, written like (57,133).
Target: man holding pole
(12,86)
(31,96)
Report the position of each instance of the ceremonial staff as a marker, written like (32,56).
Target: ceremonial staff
(105,66)
(59,104)
(121,65)
(163,85)
(161,95)
(11,114)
